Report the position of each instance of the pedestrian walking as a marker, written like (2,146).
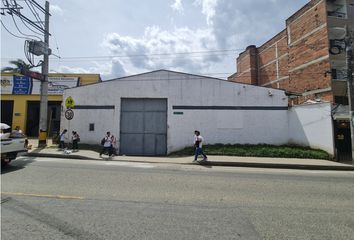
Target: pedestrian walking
(107,143)
(114,146)
(75,140)
(62,139)
(198,145)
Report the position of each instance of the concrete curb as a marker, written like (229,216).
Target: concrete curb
(212,163)
(279,166)
(52,155)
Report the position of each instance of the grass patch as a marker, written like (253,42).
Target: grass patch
(261,150)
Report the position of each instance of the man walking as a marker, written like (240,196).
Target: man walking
(107,143)
(198,144)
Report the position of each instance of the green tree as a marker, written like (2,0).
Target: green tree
(18,66)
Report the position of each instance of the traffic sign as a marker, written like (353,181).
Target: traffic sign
(69,102)
(69,114)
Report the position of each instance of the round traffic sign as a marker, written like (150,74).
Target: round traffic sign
(69,114)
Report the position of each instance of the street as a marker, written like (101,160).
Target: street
(44,198)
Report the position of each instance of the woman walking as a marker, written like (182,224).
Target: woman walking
(62,139)
(75,139)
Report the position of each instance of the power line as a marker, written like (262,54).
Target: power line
(211,53)
(24,23)
(34,12)
(38,6)
(13,33)
(27,35)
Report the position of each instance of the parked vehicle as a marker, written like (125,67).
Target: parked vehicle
(11,145)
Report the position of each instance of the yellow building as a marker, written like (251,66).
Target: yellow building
(20,99)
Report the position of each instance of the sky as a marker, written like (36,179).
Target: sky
(117,38)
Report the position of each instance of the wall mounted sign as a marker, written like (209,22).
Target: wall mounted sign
(22,85)
(18,85)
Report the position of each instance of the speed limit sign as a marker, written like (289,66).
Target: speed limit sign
(69,114)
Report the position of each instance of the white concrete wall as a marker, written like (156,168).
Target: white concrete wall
(312,125)
(217,126)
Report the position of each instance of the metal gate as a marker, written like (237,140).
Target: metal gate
(143,127)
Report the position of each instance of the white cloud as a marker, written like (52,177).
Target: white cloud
(236,24)
(158,49)
(230,25)
(177,6)
(113,69)
(55,9)
(208,8)
(67,69)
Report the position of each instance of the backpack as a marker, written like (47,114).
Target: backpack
(103,141)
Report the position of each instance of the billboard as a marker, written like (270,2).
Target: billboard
(19,85)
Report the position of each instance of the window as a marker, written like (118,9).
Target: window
(92,127)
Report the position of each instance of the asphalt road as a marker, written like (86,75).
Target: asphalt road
(75,199)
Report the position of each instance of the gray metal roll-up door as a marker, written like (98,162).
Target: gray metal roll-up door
(143,127)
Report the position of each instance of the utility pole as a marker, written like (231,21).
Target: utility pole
(43,114)
(349,58)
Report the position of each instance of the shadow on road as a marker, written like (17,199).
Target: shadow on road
(16,165)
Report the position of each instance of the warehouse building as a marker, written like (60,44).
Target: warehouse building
(156,113)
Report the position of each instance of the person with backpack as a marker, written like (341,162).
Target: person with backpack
(198,145)
(62,139)
(107,143)
(75,140)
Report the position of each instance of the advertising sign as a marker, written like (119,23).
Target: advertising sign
(56,85)
(18,85)
(6,84)
(21,85)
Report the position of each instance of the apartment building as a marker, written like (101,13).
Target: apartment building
(307,59)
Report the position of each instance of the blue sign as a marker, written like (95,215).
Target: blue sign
(22,85)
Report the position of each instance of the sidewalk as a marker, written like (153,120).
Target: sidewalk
(229,161)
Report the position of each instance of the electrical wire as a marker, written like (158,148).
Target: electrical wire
(24,23)
(34,12)
(27,35)
(212,53)
(38,6)
(13,33)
